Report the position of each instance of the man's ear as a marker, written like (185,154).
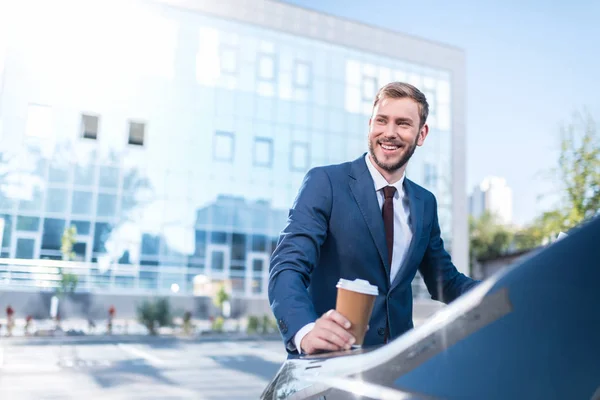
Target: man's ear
(422,135)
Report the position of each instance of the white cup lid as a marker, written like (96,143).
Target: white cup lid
(358,285)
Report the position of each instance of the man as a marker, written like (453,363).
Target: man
(362,219)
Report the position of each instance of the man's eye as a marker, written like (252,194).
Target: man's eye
(381,121)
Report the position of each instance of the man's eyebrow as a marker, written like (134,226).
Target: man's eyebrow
(404,119)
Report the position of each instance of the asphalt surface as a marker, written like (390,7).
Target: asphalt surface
(168,368)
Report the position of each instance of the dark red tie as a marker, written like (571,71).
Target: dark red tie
(388,218)
(388,223)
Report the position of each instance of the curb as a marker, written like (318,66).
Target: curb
(98,340)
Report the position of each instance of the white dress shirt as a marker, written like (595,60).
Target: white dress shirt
(402,231)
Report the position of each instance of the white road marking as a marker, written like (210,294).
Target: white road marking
(152,360)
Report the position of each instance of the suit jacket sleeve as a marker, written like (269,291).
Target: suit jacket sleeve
(297,253)
(444,282)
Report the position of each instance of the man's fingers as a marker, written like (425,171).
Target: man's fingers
(317,343)
(331,332)
(338,318)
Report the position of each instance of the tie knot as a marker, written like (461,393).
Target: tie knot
(388,192)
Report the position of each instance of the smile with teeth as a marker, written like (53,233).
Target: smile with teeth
(389,146)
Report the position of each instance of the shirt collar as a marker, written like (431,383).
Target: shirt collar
(380,181)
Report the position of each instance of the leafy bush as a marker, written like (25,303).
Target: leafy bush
(253,324)
(154,314)
(217,325)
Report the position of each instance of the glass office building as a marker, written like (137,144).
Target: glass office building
(174,135)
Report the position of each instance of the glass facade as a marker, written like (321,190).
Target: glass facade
(183,143)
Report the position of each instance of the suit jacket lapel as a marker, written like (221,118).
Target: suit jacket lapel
(363,190)
(416,206)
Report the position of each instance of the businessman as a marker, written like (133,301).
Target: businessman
(362,219)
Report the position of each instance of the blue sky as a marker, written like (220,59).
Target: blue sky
(530,65)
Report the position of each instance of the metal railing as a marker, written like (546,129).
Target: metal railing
(47,275)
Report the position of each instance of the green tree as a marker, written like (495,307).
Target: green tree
(487,237)
(578,175)
(68,281)
(220,297)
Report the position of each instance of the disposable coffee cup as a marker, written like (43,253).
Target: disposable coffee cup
(355,300)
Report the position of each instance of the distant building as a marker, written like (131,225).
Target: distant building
(495,196)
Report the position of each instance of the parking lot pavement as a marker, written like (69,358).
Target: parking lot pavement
(149,369)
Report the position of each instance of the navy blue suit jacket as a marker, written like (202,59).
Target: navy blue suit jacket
(335,230)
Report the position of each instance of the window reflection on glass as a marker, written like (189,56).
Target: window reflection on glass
(83,227)
(301,74)
(150,245)
(52,233)
(259,243)
(6,202)
(218,237)
(107,205)
(228,60)
(7,230)
(353,74)
(200,243)
(89,126)
(263,152)
(82,203)
(208,68)
(57,200)
(84,175)
(102,231)
(431,177)
(218,261)
(258,266)
(28,224)
(299,157)
(58,173)
(32,204)
(223,146)
(266,67)
(25,248)
(39,121)
(369,88)
(109,177)
(238,247)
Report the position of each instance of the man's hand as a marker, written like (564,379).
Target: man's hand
(329,333)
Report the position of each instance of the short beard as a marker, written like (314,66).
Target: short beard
(393,167)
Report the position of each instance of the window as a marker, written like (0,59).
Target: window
(82,203)
(228,60)
(266,67)
(107,205)
(369,88)
(5,242)
(83,227)
(39,121)
(301,74)
(223,146)
(84,175)
(150,245)
(263,152)
(299,159)
(89,126)
(259,243)
(102,233)
(109,177)
(52,235)
(28,224)
(137,131)
(238,247)
(430,178)
(57,200)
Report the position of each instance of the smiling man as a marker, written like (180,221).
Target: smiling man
(363,219)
